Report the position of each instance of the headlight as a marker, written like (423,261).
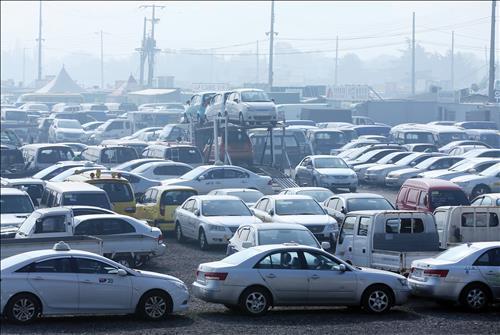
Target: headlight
(216,227)
(392,175)
(403,281)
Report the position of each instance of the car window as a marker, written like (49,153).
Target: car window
(477,202)
(214,174)
(487,201)
(333,203)
(244,234)
(233,173)
(51,224)
(288,260)
(404,226)
(175,198)
(189,205)
(363,226)
(262,204)
(347,228)
(57,265)
(317,261)
(489,258)
(481,220)
(91,266)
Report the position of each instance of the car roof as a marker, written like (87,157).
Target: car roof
(323,156)
(43,146)
(236,190)
(215,197)
(311,188)
(162,188)
(80,218)
(271,226)
(72,186)
(358,195)
(11,191)
(20,181)
(431,183)
(288,196)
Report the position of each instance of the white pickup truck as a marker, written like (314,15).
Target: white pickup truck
(387,240)
(463,224)
(126,240)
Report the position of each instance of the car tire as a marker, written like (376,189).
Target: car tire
(178,233)
(233,308)
(352,189)
(126,261)
(202,240)
(479,190)
(255,301)
(475,297)
(23,309)
(377,299)
(154,305)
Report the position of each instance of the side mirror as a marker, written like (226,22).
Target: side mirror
(342,268)
(121,272)
(271,212)
(472,171)
(162,210)
(343,210)
(201,178)
(325,245)
(246,244)
(309,167)
(197,212)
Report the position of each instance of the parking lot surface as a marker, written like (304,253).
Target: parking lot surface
(418,316)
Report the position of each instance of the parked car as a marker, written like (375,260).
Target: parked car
(387,240)
(257,278)
(261,144)
(252,235)
(96,286)
(477,125)
(197,105)
(398,177)
(137,145)
(478,153)
(174,133)
(248,195)
(111,129)
(158,204)
(484,182)
(108,155)
(75,193)
(251,107)
(421,147)
(323,140)
(135,163)
(391,158)
(442,277)
(461,150)
(462,168)
(301,209)
(317,193)
(16,206)
(450,146)
(183,153)
(370,157)
(138,133)
(206,178)
(490,199)
(65,130)
(41,156)
(423,194)
(139,183)
(339,205)
(55,169)
(34,187)
(12,162)
(487,136)
(76,147)
(211,219)
(325,171)
(465,224)
(162,170)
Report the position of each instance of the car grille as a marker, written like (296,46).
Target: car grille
(261,117)
(316,228)
(340,177)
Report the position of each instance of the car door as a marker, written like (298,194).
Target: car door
(234,178)
(150,206)
(346,239)
(101,289)
(212,179)
(184,216)
(140,207)
(55,281)
(361,244)
(286,277)
(327,283)
(489,266)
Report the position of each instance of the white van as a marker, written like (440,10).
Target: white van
(465,224)
(108,155)
(40,156)
(74,193)
(112,129)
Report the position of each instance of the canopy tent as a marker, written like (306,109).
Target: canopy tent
(128,86)
(62,83)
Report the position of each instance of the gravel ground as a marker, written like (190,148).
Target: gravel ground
(418,316)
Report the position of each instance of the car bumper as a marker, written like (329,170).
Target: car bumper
(391,181)
(401,296)
(181,302)
(221,294)
(434,288)
(338,183)
(218,237)
(374,178)
(160,251)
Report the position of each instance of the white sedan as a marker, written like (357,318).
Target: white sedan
(71,282)
(162,170)
(484,182)
(206,178)
(211,219)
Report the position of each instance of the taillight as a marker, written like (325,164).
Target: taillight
(160,239)
(215,275)
(436,273)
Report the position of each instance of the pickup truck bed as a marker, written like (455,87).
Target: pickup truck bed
(396,261)
(10,247)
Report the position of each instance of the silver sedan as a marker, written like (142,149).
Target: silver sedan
(257,278)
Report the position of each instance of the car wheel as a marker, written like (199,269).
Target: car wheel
(255,301)
(141,261)
(178,233)
(479,190)
(202,240)
(352,189)
(155,305)
(23,309)
(126,261)
(377,299)
(475,297)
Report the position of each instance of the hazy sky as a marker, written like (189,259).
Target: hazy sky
(367,28)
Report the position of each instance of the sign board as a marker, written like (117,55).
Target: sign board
(199,87)
(349,92)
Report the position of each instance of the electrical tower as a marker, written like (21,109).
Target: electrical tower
(271,35)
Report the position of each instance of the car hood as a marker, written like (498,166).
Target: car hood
(364,166)
(468,177)
(149,274)
(231,220)
(305,219)
(336,172)
(446,174)
(260,105)
(384,167)
(406,171)
(13,220)
(174,181)
(381,272)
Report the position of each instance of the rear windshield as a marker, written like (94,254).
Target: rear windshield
(329,137)
(117,192)
(224,208)
(456,253)
(419,137)
(184,155)
(176,198)
(319,195)
(298,207)
(16,116)
(448,198)
(280,236)
(362,204)
(118,155)
(54,155)
(10,204)
(86,199)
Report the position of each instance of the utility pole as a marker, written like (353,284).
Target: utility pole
(336,59)
(39,77)
(142,55)
(24,67)
(452,60)
(413,57)
(257,70)
(102,59)
(150,43)
(491,86)
(271,47)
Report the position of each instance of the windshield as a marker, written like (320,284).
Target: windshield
(333,163)
(86,199)
(427,162)
(457,253)
(463,166)
(224,208)
(418,137)
(491,171)
(54,155)
(254,96)
(9,157)
(363,204)
(407,160)
(117,192)
(10,204)
(247,196)
(445,138)
(72,124)
(176,198)
(193,173)
(329,137)
(184,155)
(319,195)
(393,157)
(298,207)
(280,236)
(448,198)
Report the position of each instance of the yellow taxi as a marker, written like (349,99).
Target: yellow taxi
(158,204)
(119,190)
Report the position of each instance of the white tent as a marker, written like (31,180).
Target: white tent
(62,83)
